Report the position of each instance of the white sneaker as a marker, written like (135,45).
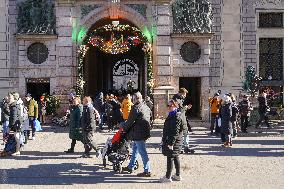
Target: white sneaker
(165,180)
(33,138)
(176,178)
(18,153)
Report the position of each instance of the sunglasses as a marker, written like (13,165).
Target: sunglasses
(169,105)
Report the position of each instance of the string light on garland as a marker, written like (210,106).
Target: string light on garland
(115,39)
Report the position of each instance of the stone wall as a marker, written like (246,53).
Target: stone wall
(5,81)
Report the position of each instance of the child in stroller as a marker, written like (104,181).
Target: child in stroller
(117,151)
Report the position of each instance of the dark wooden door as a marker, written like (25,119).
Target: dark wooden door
(193,85)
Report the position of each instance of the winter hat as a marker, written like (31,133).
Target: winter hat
(28,95)
(226,99)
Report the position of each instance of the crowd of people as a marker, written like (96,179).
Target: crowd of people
(19,118)
(226,113)
(133,116)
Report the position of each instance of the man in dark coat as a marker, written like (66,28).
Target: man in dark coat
(5,111)
(137,128)
(183,106)
(245,109)
(172,141)
(262,110)
(88,124)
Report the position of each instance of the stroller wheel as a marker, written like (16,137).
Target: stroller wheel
(136,165)
(117,168)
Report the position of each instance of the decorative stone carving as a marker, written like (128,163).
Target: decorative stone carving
(140,8)
(36,17)
(192,16)
(86,9)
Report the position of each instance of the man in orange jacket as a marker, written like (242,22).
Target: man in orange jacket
(214,109)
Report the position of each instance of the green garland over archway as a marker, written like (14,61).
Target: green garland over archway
(115,39)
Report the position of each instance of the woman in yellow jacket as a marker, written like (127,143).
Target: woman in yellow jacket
(126,106)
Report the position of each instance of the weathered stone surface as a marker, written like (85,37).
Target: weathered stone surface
(163,60)
(163,50)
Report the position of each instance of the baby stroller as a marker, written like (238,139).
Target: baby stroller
(116,150)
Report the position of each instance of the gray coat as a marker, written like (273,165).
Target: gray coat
(226,118)
(88,120)
(5,110)
(138,126)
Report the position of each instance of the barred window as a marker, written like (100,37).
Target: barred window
(37,53)
(190,52)
(271,20)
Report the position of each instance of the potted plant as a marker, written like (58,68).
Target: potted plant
(52,105)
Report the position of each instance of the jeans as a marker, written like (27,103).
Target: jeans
(235,128)
(214,122)
(31,123)
(170,161)
(5,127)
(17,136)
(139,147)
(185,139)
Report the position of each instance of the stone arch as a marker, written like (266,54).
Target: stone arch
(123,11)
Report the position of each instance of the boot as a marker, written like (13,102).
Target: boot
(69,151)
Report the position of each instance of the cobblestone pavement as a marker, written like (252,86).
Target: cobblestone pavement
(255,161)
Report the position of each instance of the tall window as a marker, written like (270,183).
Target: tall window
(271,58)
(271,20)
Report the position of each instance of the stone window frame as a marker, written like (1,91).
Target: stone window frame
(259,11)
(38,42)
(275,32)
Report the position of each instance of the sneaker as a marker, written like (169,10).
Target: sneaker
(16,153)
(144,174)
(165,180)
(33,138)
(176,178)
(127,170)
(69,151)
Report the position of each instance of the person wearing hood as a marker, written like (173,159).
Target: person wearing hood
(172,142)
(88,124)
(226,121)
(15,119)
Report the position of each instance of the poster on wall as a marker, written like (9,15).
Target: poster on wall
(125,75)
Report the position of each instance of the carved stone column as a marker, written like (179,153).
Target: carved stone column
(162,58)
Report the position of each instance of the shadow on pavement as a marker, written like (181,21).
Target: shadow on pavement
(65,174)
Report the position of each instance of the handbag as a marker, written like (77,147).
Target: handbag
(166,151)
(37,125)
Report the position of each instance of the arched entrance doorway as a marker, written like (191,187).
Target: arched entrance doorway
(115,57)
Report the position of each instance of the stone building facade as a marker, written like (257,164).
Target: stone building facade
(225,51)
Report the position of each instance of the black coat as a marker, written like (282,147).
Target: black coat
(15,117)
(5,111)
(88,120)
(173,132)
(245,107)
(226,118)
(182,107)
(138,125)
(99,102)
(262,101)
